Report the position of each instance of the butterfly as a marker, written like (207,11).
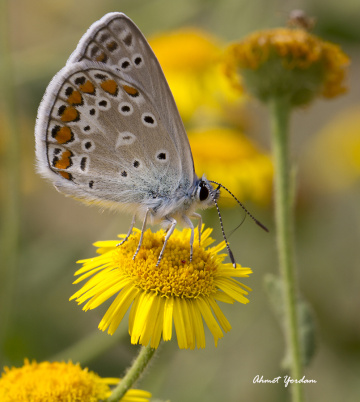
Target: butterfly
(108,132)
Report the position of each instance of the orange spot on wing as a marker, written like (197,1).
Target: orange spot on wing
(75,98)
(88,87)
(112,46)
(66,175)
(70,114)
(65,161)
(110,86)
(130,90)
(63,135)
(102,58)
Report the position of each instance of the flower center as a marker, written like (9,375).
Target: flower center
(56,381)
(175,275)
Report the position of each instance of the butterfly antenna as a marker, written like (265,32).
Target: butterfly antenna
(241,205)
(222,226)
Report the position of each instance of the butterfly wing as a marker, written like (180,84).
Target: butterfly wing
(99,138)
(108,129)
(117,42)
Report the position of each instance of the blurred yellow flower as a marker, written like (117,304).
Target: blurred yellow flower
(191,60)
(228,157)
(333,155)
(59,382)
(176,291)
(287,62)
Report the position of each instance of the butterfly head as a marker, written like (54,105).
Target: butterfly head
(205,193)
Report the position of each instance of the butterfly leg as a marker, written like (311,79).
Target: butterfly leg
(142,233)
(191,226)
(168,234)
(129,232)
(199,218)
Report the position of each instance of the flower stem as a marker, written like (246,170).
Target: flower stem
(280,110)
(138,366)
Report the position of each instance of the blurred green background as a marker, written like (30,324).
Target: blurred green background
(38,321)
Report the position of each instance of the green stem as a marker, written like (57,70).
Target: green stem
(138,366)
(280,109)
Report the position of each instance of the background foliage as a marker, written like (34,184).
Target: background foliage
(55,231)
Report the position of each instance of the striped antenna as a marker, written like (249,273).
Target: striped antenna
(221,224)
(242,206)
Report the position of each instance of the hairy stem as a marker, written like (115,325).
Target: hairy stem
(138,366)
(280,110)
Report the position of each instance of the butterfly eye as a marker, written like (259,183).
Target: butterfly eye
(204,192)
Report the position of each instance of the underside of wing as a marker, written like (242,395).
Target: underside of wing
(118,43)
(99,137)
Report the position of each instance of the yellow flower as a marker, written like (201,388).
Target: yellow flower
(175,291)
(59,382)
(191,60)
(287,62)
(234,161)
